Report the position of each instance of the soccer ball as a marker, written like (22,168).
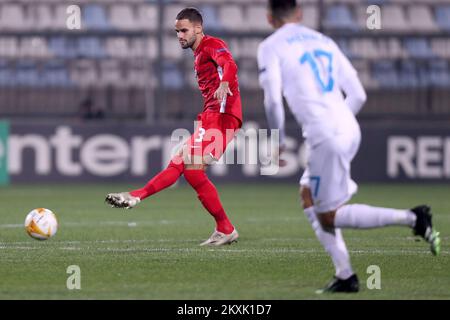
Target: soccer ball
(41,224)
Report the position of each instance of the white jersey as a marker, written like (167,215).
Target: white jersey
(310,70)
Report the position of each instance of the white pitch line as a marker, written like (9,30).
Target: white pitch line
(107,223)
(6,226)
(71,248)
(108,241)
(294,240)
(315,251)
(19,247)
(171,240)
(197,250)
(132,223)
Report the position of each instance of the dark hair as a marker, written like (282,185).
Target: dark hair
(191,14)
(282,8)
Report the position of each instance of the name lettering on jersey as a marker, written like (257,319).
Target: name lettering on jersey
(299,37)
(221,50)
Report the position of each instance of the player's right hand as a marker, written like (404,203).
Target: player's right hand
(222,91)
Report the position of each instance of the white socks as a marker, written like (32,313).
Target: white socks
(358,216)
(362,216)
(334,244)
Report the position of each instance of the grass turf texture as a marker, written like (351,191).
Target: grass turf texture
(152,252)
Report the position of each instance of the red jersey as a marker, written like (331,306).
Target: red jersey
(213,64)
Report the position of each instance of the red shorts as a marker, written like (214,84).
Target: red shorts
(213,133)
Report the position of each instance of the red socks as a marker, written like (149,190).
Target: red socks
(206,191)
(207,194)
(162,180)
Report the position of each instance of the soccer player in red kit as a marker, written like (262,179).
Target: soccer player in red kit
(221,118)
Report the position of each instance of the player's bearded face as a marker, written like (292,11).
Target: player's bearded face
(185,33)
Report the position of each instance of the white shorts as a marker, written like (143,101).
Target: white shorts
(328,172)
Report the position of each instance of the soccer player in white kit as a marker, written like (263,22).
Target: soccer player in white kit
(310,71)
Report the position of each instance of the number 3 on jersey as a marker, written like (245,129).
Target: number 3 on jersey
(314,61)
(201,133)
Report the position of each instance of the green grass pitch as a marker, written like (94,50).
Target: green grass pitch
(152,252)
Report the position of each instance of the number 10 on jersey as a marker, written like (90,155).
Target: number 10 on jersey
(313,58)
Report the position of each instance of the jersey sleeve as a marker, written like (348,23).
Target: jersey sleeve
(270,82)
(220,53)
(349,82)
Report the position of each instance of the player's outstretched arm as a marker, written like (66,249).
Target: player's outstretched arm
(223,58)
(223,91)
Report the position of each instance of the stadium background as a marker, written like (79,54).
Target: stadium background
(124,74)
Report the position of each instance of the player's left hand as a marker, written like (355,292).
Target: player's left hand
(222,92)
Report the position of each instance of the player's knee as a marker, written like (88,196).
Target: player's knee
(306,197)
(327,220)
(195,177)
(177,163)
